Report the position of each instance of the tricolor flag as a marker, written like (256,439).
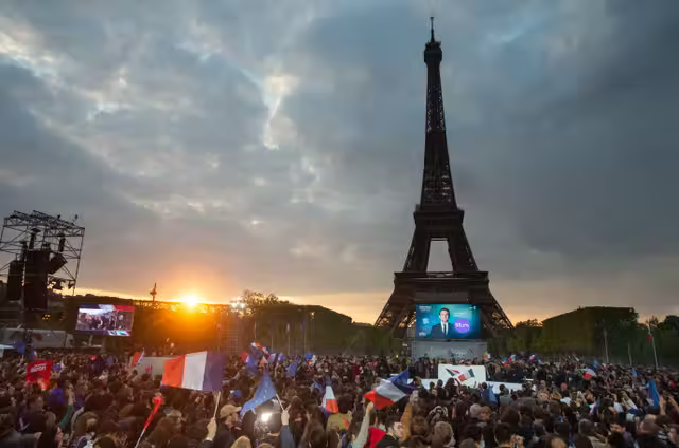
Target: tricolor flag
(486,356)
(136,359)
(329,401)
(390,391)
(588,374)
(649,337)
(532,358)
(197,371)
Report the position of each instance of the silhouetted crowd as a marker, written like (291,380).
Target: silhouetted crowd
(102,402)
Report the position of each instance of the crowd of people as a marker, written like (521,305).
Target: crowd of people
(102,402)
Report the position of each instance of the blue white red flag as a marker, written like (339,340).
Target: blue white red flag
(329,401)
(390,391)
(197,371)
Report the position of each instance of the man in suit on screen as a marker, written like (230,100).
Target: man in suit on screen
(443,330)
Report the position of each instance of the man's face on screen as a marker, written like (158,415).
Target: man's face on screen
(444,316)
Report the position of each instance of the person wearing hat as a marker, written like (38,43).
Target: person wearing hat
(229,417)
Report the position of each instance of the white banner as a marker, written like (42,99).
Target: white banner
(470,376)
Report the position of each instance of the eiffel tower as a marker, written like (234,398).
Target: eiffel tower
(438,218)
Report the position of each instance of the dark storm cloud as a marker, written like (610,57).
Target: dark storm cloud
(278,146)
(589,174)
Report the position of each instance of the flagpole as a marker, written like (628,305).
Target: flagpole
(629,354)
(606,343)
(655,353)
(218,397)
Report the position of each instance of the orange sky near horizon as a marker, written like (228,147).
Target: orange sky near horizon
(517,298)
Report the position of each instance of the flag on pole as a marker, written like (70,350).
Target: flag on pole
(329,401)
(197,371)
(649,336)
(265,391)
(390,391)
(156,406)
(136,359)
(588,374)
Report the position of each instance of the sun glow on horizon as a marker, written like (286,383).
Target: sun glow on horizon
(191,301)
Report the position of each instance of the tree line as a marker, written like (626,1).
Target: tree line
(603,333)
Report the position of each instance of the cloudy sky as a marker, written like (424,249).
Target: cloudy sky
(218,145)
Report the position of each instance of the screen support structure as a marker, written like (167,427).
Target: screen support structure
(63,240)
(61,237)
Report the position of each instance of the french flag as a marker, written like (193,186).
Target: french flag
(137,358)
(329,401)
(588,374)
(390,391)
(197,371)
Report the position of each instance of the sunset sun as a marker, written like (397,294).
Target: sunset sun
(190,301)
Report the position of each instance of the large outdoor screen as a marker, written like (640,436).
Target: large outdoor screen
(439,321)
(105,320)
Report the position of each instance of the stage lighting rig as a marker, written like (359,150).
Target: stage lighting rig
(39,252)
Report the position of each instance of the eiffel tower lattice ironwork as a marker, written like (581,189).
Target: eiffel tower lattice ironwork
(438,218)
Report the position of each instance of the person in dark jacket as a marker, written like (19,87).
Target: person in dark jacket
(229,418)
(11,438)
(394,433)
